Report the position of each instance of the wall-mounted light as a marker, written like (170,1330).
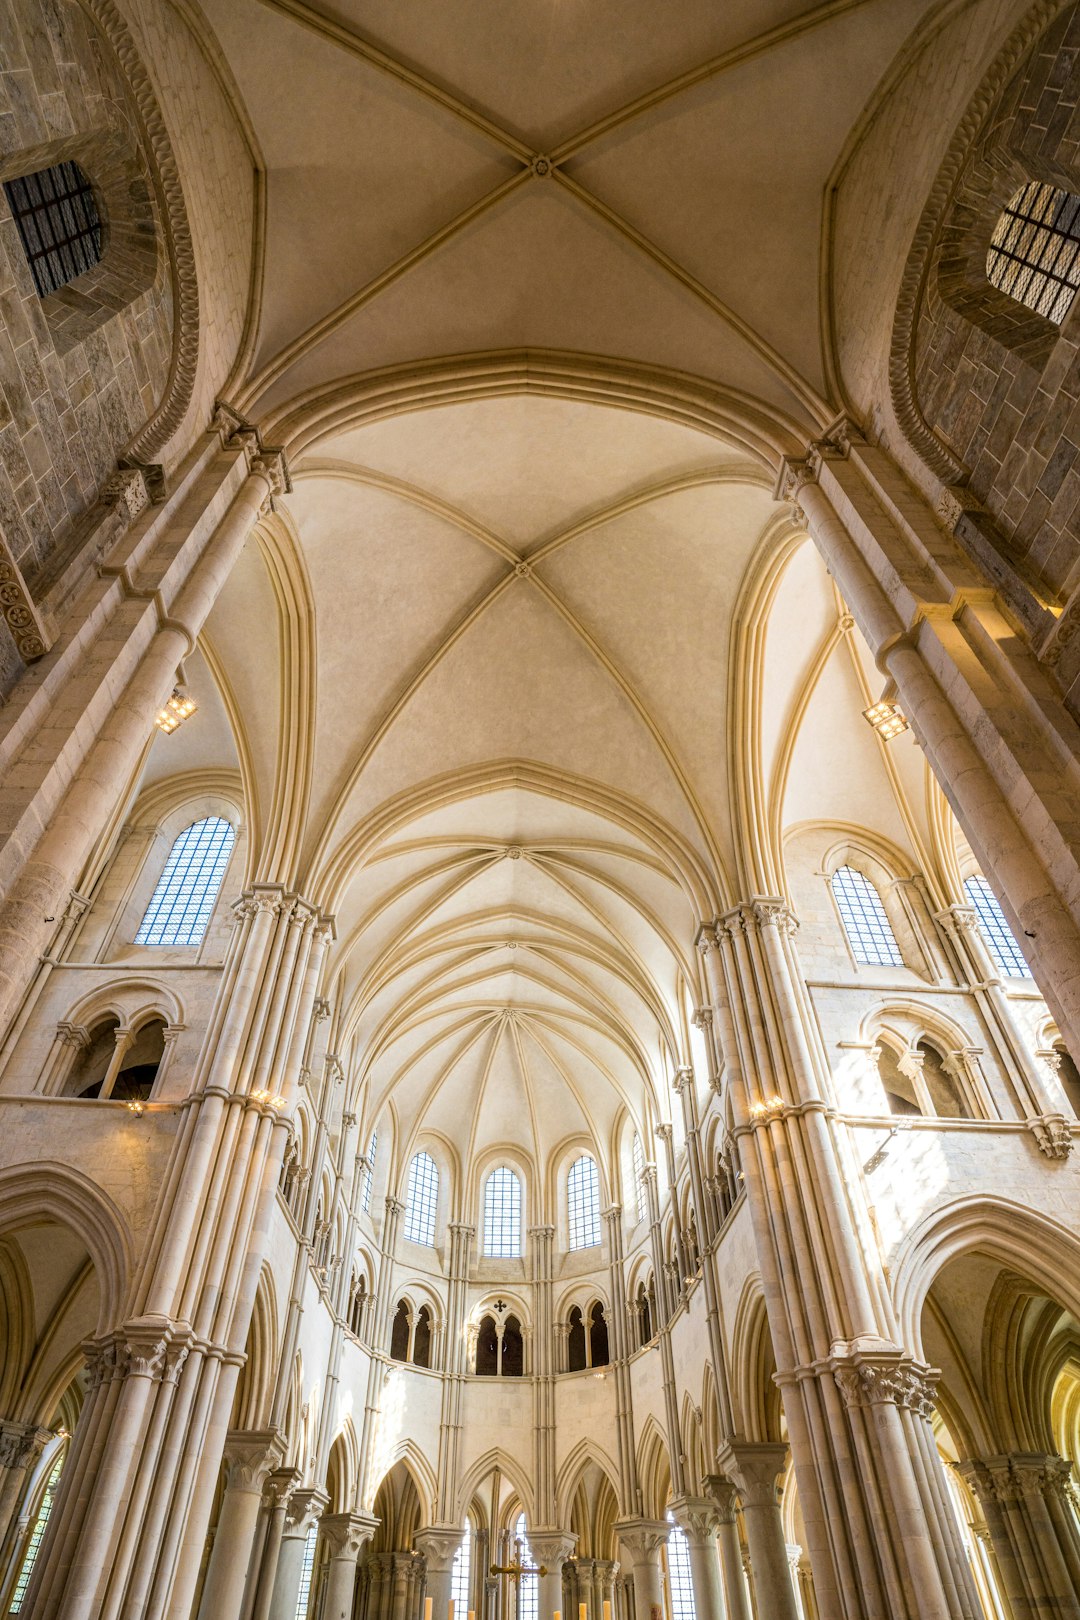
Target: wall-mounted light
(886,719)
(136,1107)
(180,707)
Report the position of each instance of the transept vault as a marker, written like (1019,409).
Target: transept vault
(539,810)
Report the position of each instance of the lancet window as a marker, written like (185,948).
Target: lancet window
(680,1582)
(369,1172)
(640,1196)
(422,1200)
(461,1575)
(37,1535)
(583,1203)
(500,1344)
(1034,253)
(181,905)
(528,1587)
(1000,939)
(866,924)
(502,1214)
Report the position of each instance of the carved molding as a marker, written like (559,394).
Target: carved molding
(20,615)
(1053,1138)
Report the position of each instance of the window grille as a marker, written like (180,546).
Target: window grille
(528,1596)
(1034,253)
(502,1214)
(303,1597)
(460,1578)
(180,906)
(867,927)
(423,1199)
(58,223)
(1000,938)
(37,1536)
(639,1178)
(583,1203)
(369,1173)
(680,1582)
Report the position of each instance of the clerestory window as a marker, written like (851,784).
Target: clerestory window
(37,1535)
(1000,939)
(639,1179)
(1034,253)
(502,1214)
(866,925)
(583,1203)
(56,215)
(423,1200)
(181,905)
(369,1172)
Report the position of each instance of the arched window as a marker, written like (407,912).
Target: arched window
(37,1535)
(583,1203)
(487,1348)
(369,1172)
(357,1306)
(513,1349)
(640,1194)
(57,219)
(1000,939)
(461,1575)
(303,1597)
(644,1303)
(900,1093)
(423,1200)
(867,927)
(421,1354)
(599,1353)
(502,1214)
(399,1333)
(680,1583)
(181,905)
(1034,253)
(575,1344)
(528,1586)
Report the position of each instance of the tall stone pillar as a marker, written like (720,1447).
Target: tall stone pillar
(276,1493)
(621,1348)
(666,1133)
(250,1457)
(1032,1528)
(664,1304)
(454,1371)
(346,1535)
(550,1549)
(880,1529)
(725,1496)
(697,1518)
(301,1515)
(643,1540)
(755,1471)
(439,1544)
(935,624)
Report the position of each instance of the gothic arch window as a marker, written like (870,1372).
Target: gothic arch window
(422,1199)
(37,1535)
(680,1582)
(59,225)
(1000,939)
(502,1214)
(641,1199)
(869,932)
(369,1172)
(461,1574)
(399,1332)
(583,1203)
(357,1306)
(644,1302)
(181,905)
(421,1347)
(487,1348)
(118,1064)
(575,1345)
(307,1570)
(921,1081)
(599,1352)
(1034,253)
(513,1349)
(500,1344)
(528,1601)
(899,1088)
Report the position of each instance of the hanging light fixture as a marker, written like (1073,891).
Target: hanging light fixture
(886,719)
(178,709)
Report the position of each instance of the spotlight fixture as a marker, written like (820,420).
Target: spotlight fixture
(178,709)
(886,719)
(136,1107)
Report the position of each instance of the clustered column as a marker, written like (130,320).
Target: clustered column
(1024,1498)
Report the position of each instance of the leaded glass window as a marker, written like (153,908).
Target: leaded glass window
(639,1178)
(680,1582)
(865,923)
(583,1203)
(528,1596)
(1034,253)
(1000,939)
(303,1597)
(369,1172)
(423,1200)
(181,905)
(57,218)
(502,1214)
(461,1574)
(37,1535)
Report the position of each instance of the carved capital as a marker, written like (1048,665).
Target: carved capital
(725,1495)
(251,1456)
(794,475)
(869,1379)
(148,1347)
(21,1443)
(304,1509)
(75,1035)
(347,1534)
(696,1516)
(755,1470)
(642,1538)
(439,1544)
(127,492)
(551,1547)
(1052,1134)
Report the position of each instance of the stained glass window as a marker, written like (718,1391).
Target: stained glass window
(423,1200)
(180,906)
(867,927)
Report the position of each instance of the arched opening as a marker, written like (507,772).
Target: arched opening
(575,1344)
(513,1349)
(644,1303)
(899,1089)
(1069,1076)
(598,1336)
(487,1348)
(422,1338)
(399,1333)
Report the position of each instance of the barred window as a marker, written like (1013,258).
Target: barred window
(303,1597)
(1000,939)
(37,1535)
(460,1578)
(680,1582)
(502,1214)
(369,1172)
(867,927)
(180,906)
(423,1200)
(528,1601)
(58,222)
(639,1178)
(583,1203)
(1034,253)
